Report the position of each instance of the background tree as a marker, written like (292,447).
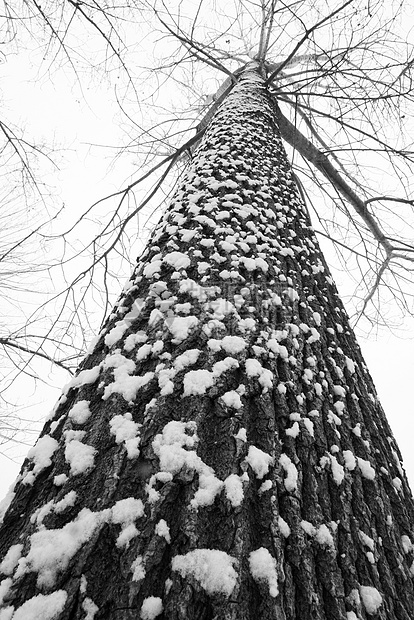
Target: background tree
(269,461)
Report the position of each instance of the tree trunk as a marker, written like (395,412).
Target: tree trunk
(221,453)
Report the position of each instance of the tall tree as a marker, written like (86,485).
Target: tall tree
(221,452)
(342,72)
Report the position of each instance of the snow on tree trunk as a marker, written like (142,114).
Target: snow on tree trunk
(221,453)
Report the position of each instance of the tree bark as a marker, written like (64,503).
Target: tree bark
(221,453)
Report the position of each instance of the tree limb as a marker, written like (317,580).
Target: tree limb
(295,138)
(6,342)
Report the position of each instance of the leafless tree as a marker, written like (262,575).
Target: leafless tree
(221,451)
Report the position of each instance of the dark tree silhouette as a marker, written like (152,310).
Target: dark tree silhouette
(221,452)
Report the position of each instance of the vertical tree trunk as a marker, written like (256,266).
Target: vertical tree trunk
(221,453)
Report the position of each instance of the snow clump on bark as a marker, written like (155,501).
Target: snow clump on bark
(263,568)
(211,568)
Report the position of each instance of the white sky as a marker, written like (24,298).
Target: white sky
(52,109)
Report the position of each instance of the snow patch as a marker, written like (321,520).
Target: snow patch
(188,358)
(197,291)
(291,480)
(338,472)
(5,587)
(405,541)
(232,399)
(248,324)
(162,529)
(151,608)
(152,268)
(66,502)
(11,559)
(41,455)
(85,377)
(42,606)
(80,456)
(241,435)
(293,431)
(60,480)
(116,333)
(171,447)
(277,349)
(51,550)
(255,369)
(126,430)
(338,390)
(180,327)
(133,339)
(397,483)
(251,264)
(221,308)
(349,458)
(89,608)
(324,537)
(283,527)
(80,412)
(367,540)
(350,364)
(234,490)
(138,569)
(371,599)
(197,382)
(187,234)
(259,461)
(143,352)
(366,468)
(266,486)
(123,383)
(309,426)
(233,344)
(308,527)
(211,568)
(209,487)
(125,512)
(317,318)
(263,568)
(177,260)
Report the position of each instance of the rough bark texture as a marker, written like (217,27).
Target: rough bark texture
(222,453)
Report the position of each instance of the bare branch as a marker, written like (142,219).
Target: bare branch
(292,135)
(302,40)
